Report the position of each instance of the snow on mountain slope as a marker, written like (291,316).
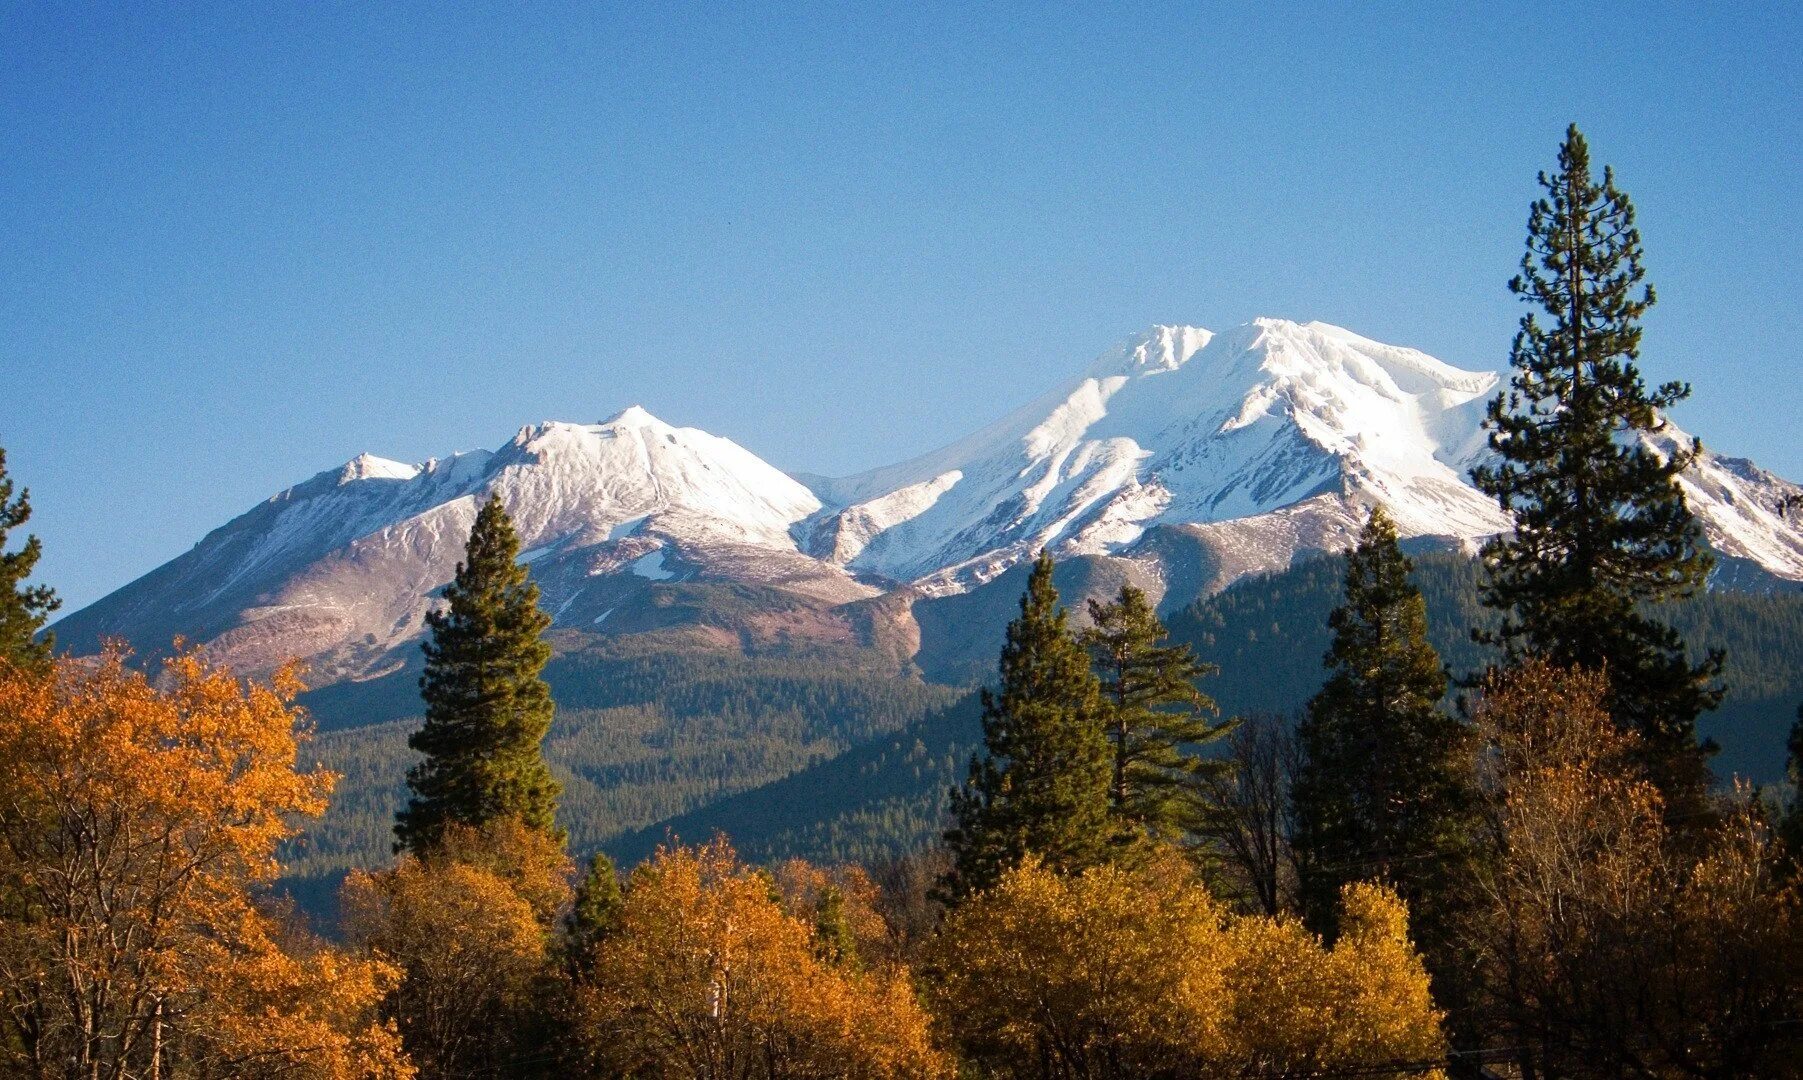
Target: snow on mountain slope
(343,567)
(1186,459)
(1743,511)
(1177,426)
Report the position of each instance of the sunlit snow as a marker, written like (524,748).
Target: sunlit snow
(1261,441)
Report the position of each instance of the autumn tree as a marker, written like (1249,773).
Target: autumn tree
(468,924)
(1109,973)
(23,608)
(1384,788)
(841,904)
(1156,718)
(1607,947)
(1134,971)
(487,708)
(1040,784)
(1602,529)
(138,829)
(709,978)
(1362,1007)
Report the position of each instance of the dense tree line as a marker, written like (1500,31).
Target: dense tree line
(886,795)
(797,756)
(1258,630)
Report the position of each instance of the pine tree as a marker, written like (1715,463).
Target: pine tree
(1154,716)
(1041,784)
(1601,526)
(487,709)
(833,939)
(1385,788)
(23,608)
(594,912)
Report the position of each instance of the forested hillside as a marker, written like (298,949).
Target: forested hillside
(639,738)
(1267,635)
(872,803)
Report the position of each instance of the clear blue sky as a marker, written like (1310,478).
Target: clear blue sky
(238,246)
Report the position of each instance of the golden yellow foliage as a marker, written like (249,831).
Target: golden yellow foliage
(1298,1008)
(804,886)
(468,928)
(1607,945)
(1138,972)
(1047,975)
(134,823)
(709,978)
(531,861)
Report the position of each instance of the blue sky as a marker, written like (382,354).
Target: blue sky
(239,245)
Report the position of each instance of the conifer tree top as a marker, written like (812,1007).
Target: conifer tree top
(1384,783)
(1602,528)
(1155,716)
(1040,785)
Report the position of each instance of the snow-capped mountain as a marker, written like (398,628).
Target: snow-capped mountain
(1186,458)
(1226,454)
(1178,427)
(342,568)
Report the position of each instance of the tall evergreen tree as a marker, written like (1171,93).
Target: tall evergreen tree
(1041,783)
(1154,715)
(23,608)
(1601,526)
(487,708)
(1385,788)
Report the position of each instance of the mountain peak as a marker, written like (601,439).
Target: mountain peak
(367,466)
(1179,425)
(633,416)
(1162,348)
(549,434)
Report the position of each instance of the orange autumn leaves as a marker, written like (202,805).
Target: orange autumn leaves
(134,822)
(711,975)
(138,821)
(469,924)
(1139,972)
(714,969)
(1665,947)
